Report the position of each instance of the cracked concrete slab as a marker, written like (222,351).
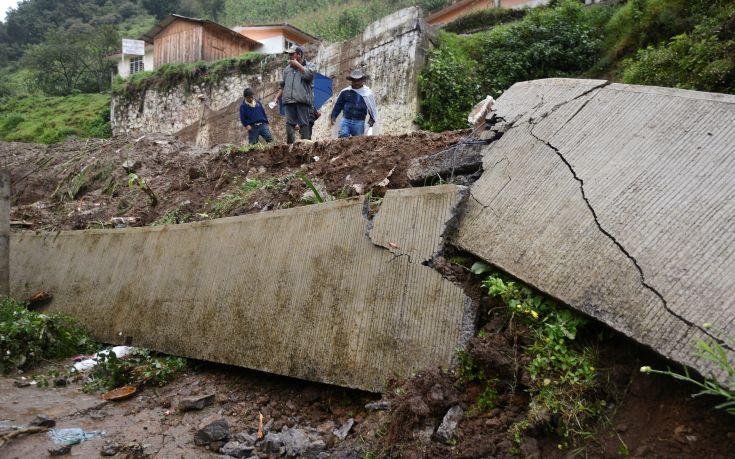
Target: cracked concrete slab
(619,201)
(301,292)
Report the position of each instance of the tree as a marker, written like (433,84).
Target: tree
(211,8)
(57,64)
(73,60)
(161,8)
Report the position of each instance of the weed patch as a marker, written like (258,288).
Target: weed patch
(26,337)
(562,369)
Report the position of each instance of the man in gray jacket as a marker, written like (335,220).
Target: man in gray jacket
(297,92)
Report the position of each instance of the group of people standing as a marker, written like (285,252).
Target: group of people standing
(355,103)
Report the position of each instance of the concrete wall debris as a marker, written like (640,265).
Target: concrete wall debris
(302,292)
(391,51)
(617,200)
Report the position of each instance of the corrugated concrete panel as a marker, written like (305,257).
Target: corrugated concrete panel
(396,226)
(301,292)
(618,200)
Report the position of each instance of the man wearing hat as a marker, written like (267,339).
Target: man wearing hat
(297,93)
(355,102)
(253,118)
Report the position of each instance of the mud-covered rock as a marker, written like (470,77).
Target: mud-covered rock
(212,430)
(344,430)
(196,403)
(59,450)
(449,424)
(43,420)
(237,449)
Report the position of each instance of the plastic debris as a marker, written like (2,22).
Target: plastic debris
(72,436)
(119,351)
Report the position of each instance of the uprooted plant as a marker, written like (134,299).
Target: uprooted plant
(139,368)
(134,179)
(27,337)
(715,353)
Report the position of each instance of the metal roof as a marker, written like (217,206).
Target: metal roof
(165,22)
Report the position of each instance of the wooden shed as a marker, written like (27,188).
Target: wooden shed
(178,39)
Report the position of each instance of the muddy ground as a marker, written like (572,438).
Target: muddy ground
(82,184)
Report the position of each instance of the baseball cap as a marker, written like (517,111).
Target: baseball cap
(295,49)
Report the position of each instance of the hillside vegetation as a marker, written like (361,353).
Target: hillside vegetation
(674,43)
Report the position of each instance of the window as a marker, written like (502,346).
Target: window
(136,64)
(288,43)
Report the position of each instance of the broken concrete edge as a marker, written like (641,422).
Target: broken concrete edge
(471,307)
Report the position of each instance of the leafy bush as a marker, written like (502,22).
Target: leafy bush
(703,59)
(547,42)
(28,336)
(448,87)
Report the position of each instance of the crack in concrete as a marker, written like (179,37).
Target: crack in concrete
(618,244)
(533,120)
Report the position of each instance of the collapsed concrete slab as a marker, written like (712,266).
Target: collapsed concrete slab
(618,200)
(301,292)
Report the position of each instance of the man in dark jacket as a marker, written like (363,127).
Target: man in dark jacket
(253,118)
(355,102)
(298,94)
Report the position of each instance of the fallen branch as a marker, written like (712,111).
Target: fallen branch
(7,436)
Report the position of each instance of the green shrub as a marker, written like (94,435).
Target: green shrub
(563,375)
(28,336)
(548,42)
(448,87)
(703,59)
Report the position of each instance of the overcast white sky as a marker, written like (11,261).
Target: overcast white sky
(4,5)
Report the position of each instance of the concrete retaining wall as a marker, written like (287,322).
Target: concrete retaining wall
(301,292)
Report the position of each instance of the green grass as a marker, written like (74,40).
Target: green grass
(38,119)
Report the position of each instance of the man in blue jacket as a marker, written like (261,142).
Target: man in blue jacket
(253,118)
(355,102)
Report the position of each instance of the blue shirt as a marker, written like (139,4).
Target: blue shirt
(251,115)
(352,105)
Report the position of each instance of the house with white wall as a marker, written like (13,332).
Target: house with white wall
(128,64)
(276,38)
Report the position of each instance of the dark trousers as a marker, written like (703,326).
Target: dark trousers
(297,115)
(259,130)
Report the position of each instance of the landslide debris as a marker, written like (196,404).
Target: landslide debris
(86,184)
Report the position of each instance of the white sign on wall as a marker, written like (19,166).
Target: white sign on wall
(133,47)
